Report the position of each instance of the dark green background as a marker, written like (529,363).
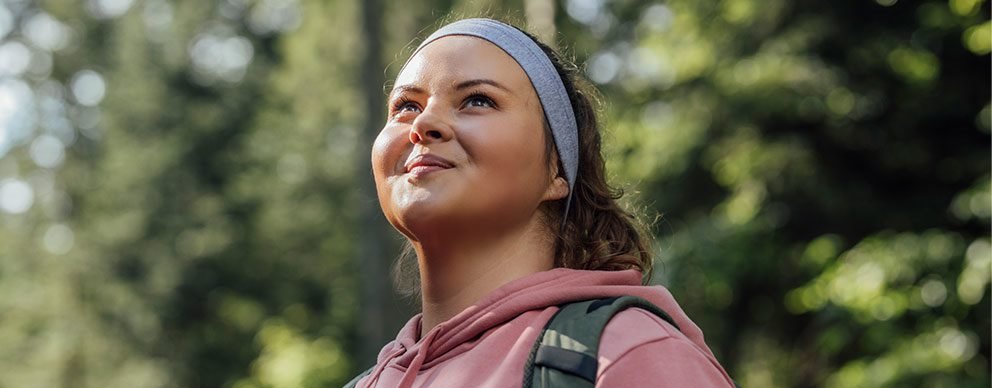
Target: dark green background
(818,174)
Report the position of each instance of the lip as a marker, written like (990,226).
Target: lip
(424,164)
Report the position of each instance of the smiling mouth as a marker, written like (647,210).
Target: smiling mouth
(420,171)
(424,164)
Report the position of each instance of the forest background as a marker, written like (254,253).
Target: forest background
(186,199)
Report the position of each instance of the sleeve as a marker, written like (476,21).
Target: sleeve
(666,362)
(639,349)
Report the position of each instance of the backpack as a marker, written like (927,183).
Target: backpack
(565,353)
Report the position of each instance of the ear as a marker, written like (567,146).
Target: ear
(558,189)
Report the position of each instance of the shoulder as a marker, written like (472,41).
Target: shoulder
(638,347)
(632,328)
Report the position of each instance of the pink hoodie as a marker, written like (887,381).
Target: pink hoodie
(488,343)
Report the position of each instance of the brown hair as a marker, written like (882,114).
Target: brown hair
(598,234)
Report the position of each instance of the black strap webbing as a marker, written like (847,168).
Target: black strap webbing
(569,361)
(565,352)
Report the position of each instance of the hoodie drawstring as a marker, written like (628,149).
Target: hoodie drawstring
(373,377)
(418,361)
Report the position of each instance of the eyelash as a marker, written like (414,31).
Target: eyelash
(400,104)
(480,96)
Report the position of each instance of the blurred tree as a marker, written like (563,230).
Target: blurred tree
(202,230)
(823,169)
(185,197)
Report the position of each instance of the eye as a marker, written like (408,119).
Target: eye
(404,105)
(478,100)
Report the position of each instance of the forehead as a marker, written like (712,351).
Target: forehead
(455,58)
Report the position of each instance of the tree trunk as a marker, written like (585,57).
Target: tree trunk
(541,20)
(381,314)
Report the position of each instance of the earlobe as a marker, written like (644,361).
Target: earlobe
(558,189)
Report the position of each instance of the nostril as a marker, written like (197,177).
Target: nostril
(434,134)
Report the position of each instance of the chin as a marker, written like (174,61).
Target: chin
(418,209)
(418,222)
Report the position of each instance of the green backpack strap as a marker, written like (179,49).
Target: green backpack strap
(354,381)
(565,354)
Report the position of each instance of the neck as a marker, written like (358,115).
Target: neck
(457,272)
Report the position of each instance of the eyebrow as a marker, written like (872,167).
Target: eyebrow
(481,81)
(405,88)
(460,86)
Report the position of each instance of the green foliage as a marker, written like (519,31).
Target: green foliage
(825,213)
(182,184)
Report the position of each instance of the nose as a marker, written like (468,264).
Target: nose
(430,127)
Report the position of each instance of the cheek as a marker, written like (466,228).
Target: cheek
(512,156)
(514,147)
(385,153)
(387,150)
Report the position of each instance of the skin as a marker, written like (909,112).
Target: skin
(477,225)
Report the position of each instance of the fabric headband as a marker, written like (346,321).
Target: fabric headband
(543,76)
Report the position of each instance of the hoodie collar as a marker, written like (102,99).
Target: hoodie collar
(533,292)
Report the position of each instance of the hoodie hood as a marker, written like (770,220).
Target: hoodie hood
(534,292)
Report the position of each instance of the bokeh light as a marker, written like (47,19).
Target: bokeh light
(185,197)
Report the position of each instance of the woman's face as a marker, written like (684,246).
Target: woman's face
(463,148)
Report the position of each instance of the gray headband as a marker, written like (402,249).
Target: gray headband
(543,76)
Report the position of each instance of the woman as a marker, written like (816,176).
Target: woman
(490,165)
